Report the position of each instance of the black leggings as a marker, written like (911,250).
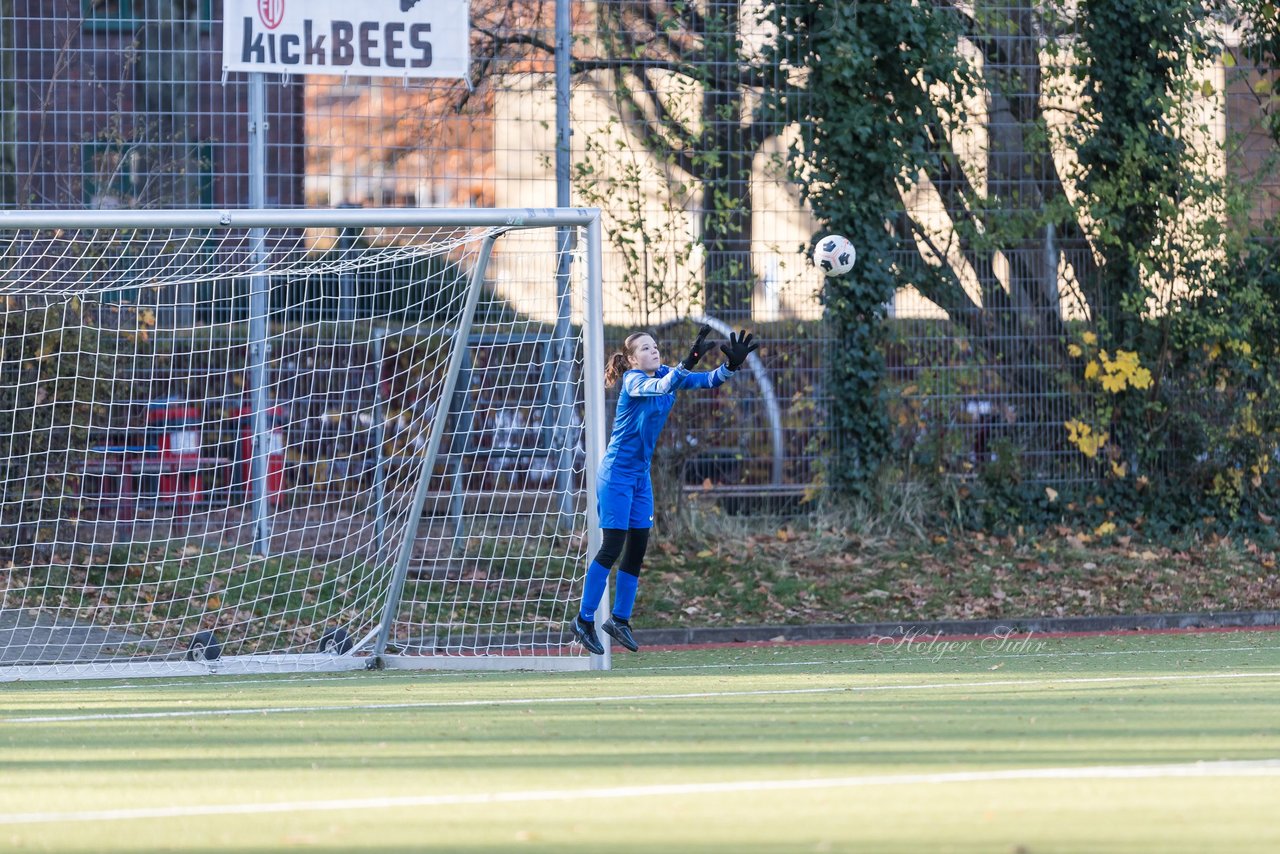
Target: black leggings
(631,545)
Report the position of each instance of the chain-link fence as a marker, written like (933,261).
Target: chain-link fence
(125,103)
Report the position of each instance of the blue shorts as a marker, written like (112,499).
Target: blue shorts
(625,502)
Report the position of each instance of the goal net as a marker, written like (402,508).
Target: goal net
(295,440)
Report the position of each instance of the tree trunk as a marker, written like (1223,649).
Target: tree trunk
(1021,178)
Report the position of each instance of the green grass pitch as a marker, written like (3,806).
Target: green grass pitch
(1140,742)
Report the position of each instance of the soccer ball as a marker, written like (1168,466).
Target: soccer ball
(834,255)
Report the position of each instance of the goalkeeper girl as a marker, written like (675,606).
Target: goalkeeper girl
(624,492)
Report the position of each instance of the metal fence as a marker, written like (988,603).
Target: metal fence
(124,103)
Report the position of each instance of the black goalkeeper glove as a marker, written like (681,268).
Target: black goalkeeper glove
(700,349)
(738,349)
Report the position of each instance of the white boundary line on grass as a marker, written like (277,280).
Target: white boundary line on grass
(927,650)
(215,681)
(1239,768)
(631,698)
(918,651)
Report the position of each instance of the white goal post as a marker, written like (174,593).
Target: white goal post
(297,440)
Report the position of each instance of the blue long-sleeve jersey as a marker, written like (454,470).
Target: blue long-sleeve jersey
(643,406)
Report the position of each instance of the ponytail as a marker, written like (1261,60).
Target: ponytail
(615,368)
(620,362)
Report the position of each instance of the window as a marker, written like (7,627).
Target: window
(126,14)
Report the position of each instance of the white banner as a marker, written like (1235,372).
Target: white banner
(369,38)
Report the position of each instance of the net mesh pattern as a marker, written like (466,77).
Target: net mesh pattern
(176,488)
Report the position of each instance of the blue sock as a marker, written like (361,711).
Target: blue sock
(624,599)
(593,590)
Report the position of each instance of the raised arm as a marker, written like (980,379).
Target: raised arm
(735,353)
(706,379)
(640,384)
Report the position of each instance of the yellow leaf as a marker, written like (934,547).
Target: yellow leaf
(1113,382)
(1089,445)
(1126,361)
(1091,370)
(1105,529)
(1119,469)
(1089,338)
(706,553)
(1075,351)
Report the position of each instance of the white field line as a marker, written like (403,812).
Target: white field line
(919,650)
(631,698)
(933,651)
(217,682)
(1255,768)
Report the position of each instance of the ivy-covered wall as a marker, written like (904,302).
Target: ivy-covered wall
(1051,180)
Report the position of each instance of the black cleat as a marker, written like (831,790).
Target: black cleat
(585,634)
(620,630)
